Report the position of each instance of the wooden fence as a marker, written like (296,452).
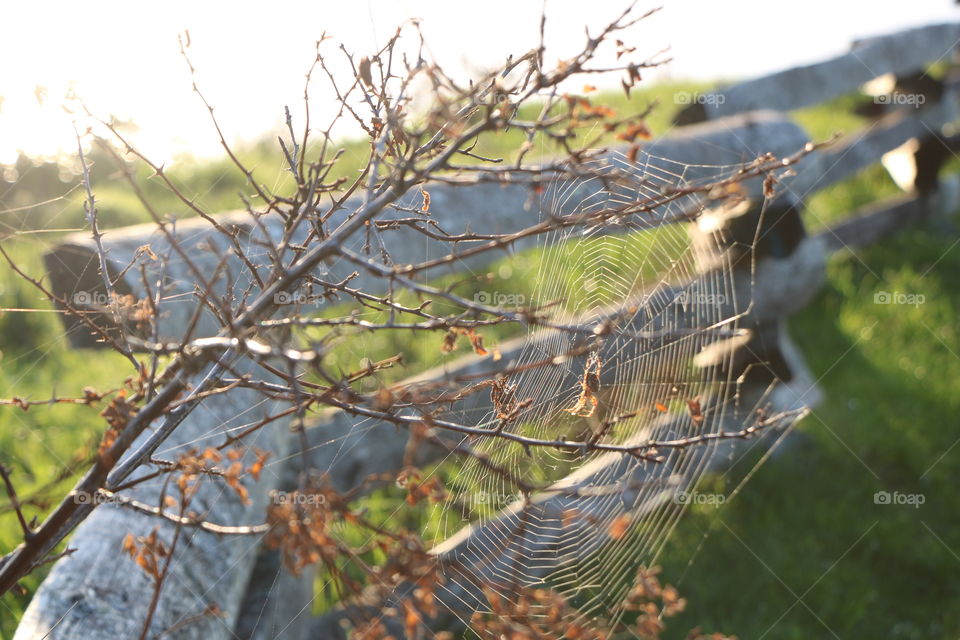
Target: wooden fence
(90,594)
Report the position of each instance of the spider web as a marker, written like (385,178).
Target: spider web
(599,515)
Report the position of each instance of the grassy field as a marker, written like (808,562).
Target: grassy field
(803,551)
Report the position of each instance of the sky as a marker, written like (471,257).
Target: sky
(122,58)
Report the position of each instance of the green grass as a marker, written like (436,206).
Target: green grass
(806,524)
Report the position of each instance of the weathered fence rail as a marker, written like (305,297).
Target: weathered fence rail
(90,595)
(74,265)
(900,54)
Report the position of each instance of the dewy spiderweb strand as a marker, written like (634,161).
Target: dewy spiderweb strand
(603,514)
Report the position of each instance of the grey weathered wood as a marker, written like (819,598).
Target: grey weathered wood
(72,265)
(862,149)
(277,603)
(897,53)
(915,166)
(470,562)
(97,592)
(691,154)
(877,221)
